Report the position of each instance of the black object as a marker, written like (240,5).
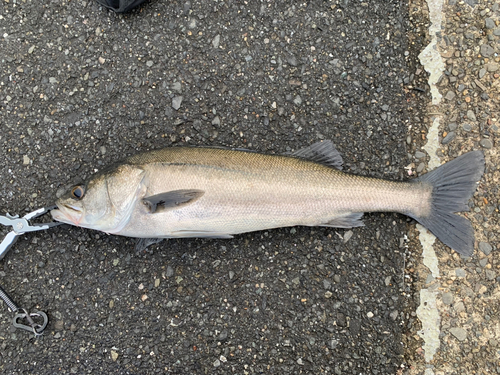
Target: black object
(120,6)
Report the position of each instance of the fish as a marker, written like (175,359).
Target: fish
(186,192)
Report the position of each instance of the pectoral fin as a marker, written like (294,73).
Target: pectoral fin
(172,200)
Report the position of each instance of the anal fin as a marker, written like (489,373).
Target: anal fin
(199,234)
(347,220)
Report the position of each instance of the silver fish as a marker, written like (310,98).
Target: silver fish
(212,192)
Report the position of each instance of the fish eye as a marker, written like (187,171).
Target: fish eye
(78,192)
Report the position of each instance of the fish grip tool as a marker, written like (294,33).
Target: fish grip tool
(35,321)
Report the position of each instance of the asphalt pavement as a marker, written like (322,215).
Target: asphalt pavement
(82,87)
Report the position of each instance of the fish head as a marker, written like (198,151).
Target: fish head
(105,202)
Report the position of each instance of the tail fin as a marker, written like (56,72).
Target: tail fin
(453,184)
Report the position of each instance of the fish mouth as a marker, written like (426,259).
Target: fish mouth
(67,213)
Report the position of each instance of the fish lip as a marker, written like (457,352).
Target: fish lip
(65,213)
(70,207)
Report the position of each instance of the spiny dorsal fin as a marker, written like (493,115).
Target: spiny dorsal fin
(323,152)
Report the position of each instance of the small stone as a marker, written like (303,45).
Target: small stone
(394,315)
(492,67)
(482,72)
(489,23)
(420,167)
(52,80)
(490,274)
(327,284)
(467,127)
(460,272)
(348,235)
(483,262)
(59,325)
(485,247)
(216,41)
(26,160)
(149,63)
(328,294)
(101,60)
(447,298)
(419,155)
(176,86)
(170,271)
(487,50)
(459,307)
(297,100)
(370,314)
(231,275)
(216,121)
(114,355)
(497,32)
(471,115)
(449,137)
(450,95)
(459,333)
(452,126)
(300,361)
(486,143)
(176,102)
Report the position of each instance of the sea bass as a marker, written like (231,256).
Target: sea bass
(216,193)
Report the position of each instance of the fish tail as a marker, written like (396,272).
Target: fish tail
(453,184)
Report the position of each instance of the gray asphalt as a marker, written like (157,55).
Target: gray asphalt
(81,87)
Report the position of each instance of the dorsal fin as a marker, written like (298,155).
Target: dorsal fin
(323,152)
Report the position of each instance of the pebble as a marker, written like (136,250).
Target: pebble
(216,41)
(483,262)
(492,67)
(459,307)
(489,23)
(485,247)
(467,127)
(176,86)
(447,298)
(419,155)
(471,115)
(176,102)
(114,355)
(348,235)
(482,72)
(460,272)
(170,271)
(449,137)
(486,143)
(486,50)
(394,315)
(490,275)
(459,333)
(450,95)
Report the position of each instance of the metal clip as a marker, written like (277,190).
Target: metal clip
(32,326)
(21,225)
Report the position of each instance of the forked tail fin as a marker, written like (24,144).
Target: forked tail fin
(453,184)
